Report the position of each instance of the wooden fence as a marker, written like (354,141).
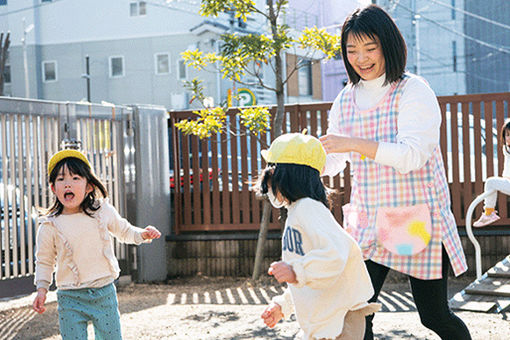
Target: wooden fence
(211,177)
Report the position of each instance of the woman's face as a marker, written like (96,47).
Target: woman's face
(366,56)
(507,137)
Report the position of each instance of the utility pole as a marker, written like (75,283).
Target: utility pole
(416,23)
(26,30)
(87,76)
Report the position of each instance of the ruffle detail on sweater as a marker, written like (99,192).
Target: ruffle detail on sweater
(68,250)
(100,216)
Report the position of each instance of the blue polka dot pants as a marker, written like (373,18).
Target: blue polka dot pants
(98,305)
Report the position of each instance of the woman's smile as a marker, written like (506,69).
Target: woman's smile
(365,56)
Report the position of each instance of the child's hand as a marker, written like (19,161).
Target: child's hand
(272,314)
(38,304)
(283,272)
(150,233)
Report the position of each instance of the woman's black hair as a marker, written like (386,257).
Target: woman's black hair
(80,168)
(293,181)
(505,128)
(372,21)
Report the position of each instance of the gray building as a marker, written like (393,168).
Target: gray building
(487,64)
(133,48)
(433,31)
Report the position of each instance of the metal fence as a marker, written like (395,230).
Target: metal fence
(211,177)
(30,133)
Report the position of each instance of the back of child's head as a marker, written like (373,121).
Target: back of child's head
(294,164)
(77,164)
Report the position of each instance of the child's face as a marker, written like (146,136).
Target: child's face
(71,190)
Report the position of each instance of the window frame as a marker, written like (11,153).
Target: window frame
(309,76)
(43,63)
(110,69)
(7,65)
(156,64)
(179,70)
(140,5)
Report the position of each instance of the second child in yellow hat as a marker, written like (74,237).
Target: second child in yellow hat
(321,263)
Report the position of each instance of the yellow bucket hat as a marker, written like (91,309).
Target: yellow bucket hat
(296,148)
(66,154)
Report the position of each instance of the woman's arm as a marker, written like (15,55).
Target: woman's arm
(418,125)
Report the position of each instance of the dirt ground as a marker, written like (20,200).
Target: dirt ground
(226,308)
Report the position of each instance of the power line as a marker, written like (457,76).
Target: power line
(490,21)
(483,43)
(29,7)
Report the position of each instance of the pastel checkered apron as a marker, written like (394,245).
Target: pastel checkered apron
(377,186)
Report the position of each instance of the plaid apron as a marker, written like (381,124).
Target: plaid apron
(375,185)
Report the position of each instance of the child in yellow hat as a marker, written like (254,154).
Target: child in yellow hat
(75,240)
(328,285)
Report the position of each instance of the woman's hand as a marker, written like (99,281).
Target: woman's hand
(336,143)
(341,144)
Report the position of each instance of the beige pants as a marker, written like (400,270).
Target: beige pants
(354,322)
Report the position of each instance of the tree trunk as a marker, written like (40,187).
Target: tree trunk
(277,131)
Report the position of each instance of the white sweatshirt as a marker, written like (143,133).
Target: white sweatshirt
(332,277)
(80,248)
(418,125)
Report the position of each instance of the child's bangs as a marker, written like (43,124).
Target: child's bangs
(75,166)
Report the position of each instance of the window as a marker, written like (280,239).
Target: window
(454,56)
(49,71)
(181,69)
(137,8)
(7,74)
(142,8)
(116,66)
(453,9)
(305,78)
(162,61)
(46,0)
(3,2)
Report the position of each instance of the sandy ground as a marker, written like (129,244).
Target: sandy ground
(225,308)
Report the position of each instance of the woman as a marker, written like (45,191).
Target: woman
(385,122)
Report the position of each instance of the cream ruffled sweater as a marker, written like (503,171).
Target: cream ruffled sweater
(81,248)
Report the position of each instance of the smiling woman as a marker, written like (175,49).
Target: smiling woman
(386,123)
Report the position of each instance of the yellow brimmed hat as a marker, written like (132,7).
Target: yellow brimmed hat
(66,154)
(296,148)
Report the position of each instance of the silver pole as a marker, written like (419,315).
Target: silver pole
(25,62)
(471,236)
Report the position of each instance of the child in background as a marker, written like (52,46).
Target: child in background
(328,283)
(497,183)
(75,235)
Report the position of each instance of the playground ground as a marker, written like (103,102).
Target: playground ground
(226,308)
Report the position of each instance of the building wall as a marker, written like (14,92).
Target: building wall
(487,69)
(433,35)
(68,31)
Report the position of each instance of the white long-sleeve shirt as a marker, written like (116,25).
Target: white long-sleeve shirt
(418,125)
(332,277)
